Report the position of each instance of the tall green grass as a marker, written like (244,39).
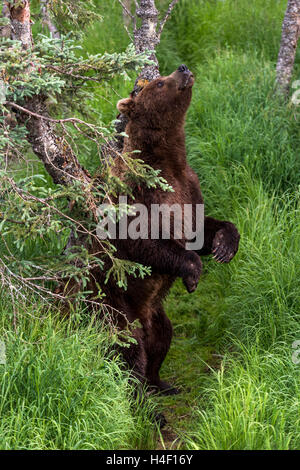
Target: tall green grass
(201,29)
(236,118)
(247,316)
(252,401)
(244,144)
(251,404)
(62,388)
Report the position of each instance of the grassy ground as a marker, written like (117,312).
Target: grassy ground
(232,348)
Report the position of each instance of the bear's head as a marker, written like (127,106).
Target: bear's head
(161,104)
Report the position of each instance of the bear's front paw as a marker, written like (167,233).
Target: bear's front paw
(191,271)
(226,243)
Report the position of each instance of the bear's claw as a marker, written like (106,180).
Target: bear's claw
(191,271)
(226,243)
(160,420)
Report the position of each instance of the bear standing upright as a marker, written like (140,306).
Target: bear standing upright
(156,128)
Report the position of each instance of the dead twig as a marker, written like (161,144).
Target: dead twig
(166,17)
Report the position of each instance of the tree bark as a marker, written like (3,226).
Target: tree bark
(52,149)
(146,37)
(20,22)
(288,46)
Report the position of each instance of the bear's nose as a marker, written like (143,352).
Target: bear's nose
(183,68)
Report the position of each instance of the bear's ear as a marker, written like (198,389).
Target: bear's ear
(126,106)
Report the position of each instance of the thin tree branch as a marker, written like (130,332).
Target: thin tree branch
(166,17)
(70,74)
(47,19)
(129,15)
(47,118)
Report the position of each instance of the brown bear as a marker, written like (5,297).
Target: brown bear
(155,126)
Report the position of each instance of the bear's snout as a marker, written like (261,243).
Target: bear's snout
(183,68)
(183,77)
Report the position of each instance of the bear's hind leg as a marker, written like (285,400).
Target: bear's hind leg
(136,357)
(157,343)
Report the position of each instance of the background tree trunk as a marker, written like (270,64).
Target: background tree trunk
(146,37)
(288,45)
(47,19)
(5,30)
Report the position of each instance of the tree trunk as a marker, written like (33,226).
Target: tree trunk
(20,22)
(288,46)
(52,149)
(147,38)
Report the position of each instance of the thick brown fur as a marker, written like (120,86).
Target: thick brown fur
(156,128)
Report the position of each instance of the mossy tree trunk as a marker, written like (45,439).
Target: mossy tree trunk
(288,46)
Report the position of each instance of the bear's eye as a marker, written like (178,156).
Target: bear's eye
(160,84)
